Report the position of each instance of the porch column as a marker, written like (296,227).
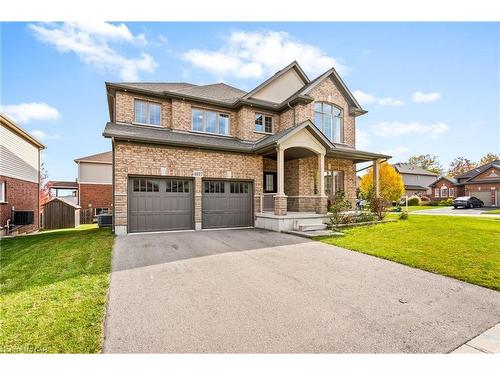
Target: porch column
(280,201)
(322,201)
(376,177)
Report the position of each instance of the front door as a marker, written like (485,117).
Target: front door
(270,189)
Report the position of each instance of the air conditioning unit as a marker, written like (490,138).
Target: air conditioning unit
(104,220)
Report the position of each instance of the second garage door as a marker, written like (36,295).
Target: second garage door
(227,204)
(157,204)
(485,196)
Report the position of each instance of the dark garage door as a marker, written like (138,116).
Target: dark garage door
(227,204)
(157,204)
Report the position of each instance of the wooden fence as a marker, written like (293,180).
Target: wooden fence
(86,215)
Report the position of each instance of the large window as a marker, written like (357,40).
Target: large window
(147,113)
(334,182)
(263,123)
(329,119)
(444,192)
(210,121)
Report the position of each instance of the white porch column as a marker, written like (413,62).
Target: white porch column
(281,170)
(321,169)
(376,177)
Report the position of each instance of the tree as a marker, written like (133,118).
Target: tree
(44,186)
(460,165)
(428,162)
(488,158)
(391,186)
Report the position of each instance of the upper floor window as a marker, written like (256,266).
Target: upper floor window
(329,119)
(2,191)
(210,121)
(147,113)
(263,123)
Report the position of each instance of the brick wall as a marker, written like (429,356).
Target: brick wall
(23,196)
(470,189)
(140,159)
(97,195)
(443,182)
(124,103)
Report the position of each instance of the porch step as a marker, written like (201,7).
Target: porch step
(311,227)
(314,233)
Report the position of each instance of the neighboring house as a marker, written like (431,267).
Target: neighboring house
(19,178)
(482,182)
(214,156)
(416,179)
(93,187)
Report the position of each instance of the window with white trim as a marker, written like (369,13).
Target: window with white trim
(98,211)
(444,192)
(452,192)
(210,121)
(147,113)
(263,123)
(2,191)
(436,192)
(330,120)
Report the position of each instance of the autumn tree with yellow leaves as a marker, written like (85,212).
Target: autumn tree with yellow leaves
(391,186)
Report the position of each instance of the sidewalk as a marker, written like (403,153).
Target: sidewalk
(486,342)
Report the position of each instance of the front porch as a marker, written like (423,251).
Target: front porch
(302,172)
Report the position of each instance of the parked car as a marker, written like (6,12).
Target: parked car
(467,202)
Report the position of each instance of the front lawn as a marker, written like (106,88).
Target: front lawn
(492,212)
(53,294)
(464,248)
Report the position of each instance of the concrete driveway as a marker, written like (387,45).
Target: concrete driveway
(254,291)
(476,212)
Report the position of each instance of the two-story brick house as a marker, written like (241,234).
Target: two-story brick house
(213,156)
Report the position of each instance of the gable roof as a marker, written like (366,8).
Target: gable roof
(61,199)
(450,179)
(294,65)
(103,157)
(469,175)
(11,125)
(411,169)
(63,184)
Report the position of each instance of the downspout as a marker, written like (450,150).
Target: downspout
(292,108)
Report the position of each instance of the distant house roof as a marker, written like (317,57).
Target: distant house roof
(66,201)
(411,169)
(63,184)
(103,157)
(9,123)
(416,187)
(476,171)
(450,179)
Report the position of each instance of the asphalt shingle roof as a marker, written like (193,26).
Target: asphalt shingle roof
(411,169)
(478,170)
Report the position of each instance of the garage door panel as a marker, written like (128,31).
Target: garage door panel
(167,205)
(226,204)
(485,196)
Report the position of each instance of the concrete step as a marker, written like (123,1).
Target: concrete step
(314,233)
(310,227)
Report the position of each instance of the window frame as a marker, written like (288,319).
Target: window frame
(264,116)
(275,181)
(217,121)
(3,187)
(149,103)
(333,117)
(442,189)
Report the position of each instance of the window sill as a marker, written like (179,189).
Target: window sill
(213,134)
(266,133)
(141,124)
(5,202)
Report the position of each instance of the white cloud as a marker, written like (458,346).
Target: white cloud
(365,98)
(27,112)
(396,151)
(420,97)
(362,139)
(40,134)
(390,129)
(90,41)
(254,54)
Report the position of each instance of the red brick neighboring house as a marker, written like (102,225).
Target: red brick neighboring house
(482,182)
(19,178)
(92,190)
(95,189)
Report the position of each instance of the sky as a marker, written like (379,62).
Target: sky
(428,87)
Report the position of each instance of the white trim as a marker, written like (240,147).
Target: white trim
(93,162)
(3,184)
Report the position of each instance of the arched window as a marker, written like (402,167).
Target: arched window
(444,191)
(330,120)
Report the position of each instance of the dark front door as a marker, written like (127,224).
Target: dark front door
(157,204)
(227,204)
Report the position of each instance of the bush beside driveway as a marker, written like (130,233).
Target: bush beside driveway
(54,287)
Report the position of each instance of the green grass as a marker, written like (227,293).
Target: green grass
(53,293)
(419,208)
(492,212)
(464,248)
